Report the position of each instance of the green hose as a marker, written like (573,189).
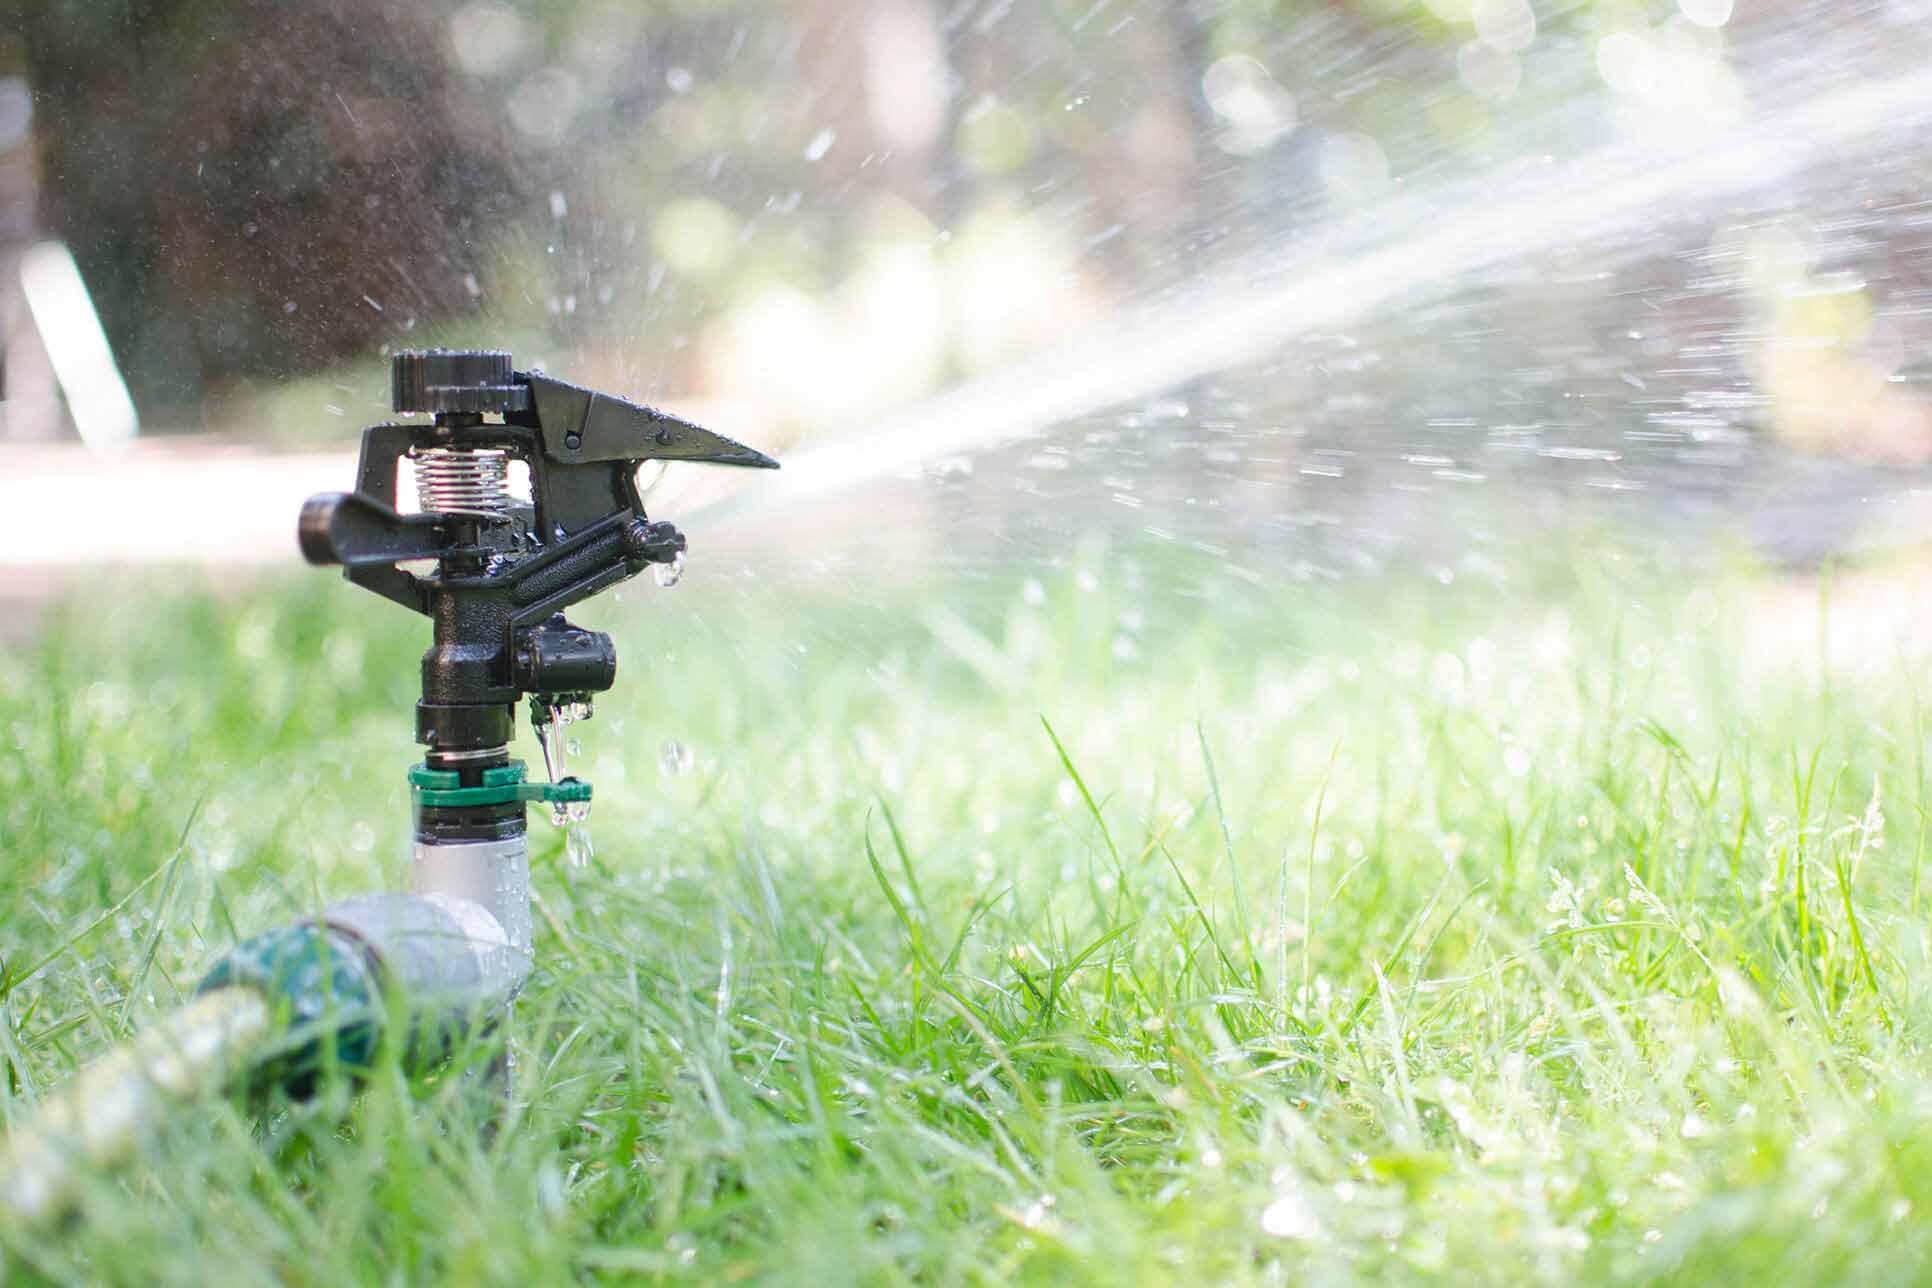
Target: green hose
(99,1117)
(279,1009)
(278,1005)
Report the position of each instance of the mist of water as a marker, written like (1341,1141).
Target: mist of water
(1244,312)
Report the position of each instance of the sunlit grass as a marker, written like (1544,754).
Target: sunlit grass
(1035,932)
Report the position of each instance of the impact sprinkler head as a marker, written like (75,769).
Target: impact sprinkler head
(503,570)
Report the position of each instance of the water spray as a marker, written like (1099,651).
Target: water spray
(494,572)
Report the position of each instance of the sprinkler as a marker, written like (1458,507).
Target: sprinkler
(494,572)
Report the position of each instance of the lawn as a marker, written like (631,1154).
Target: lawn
(1028,928)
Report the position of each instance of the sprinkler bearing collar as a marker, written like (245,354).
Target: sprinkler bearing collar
(503,785)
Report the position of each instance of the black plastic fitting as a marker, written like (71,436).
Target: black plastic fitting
(557,657)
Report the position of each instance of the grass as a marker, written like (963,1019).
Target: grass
(1033,932)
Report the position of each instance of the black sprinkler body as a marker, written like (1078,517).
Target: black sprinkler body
(505,569)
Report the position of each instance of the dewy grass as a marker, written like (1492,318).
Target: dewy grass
(1577,939)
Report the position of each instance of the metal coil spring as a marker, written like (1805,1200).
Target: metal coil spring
(462,481)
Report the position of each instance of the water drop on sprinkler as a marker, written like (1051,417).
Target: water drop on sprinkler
(668,575)
(578,850)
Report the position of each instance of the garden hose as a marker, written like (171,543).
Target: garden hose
(278,1010)
(99,1118)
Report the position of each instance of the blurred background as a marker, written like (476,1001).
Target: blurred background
(1308,283)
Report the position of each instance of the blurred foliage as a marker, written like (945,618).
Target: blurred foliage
(916,188)
(237,174)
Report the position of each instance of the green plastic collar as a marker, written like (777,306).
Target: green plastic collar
(501,786)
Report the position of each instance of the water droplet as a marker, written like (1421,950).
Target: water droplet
(674,759)
(578,850)
(668,575)
(1038,1213)
(1289,1217)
